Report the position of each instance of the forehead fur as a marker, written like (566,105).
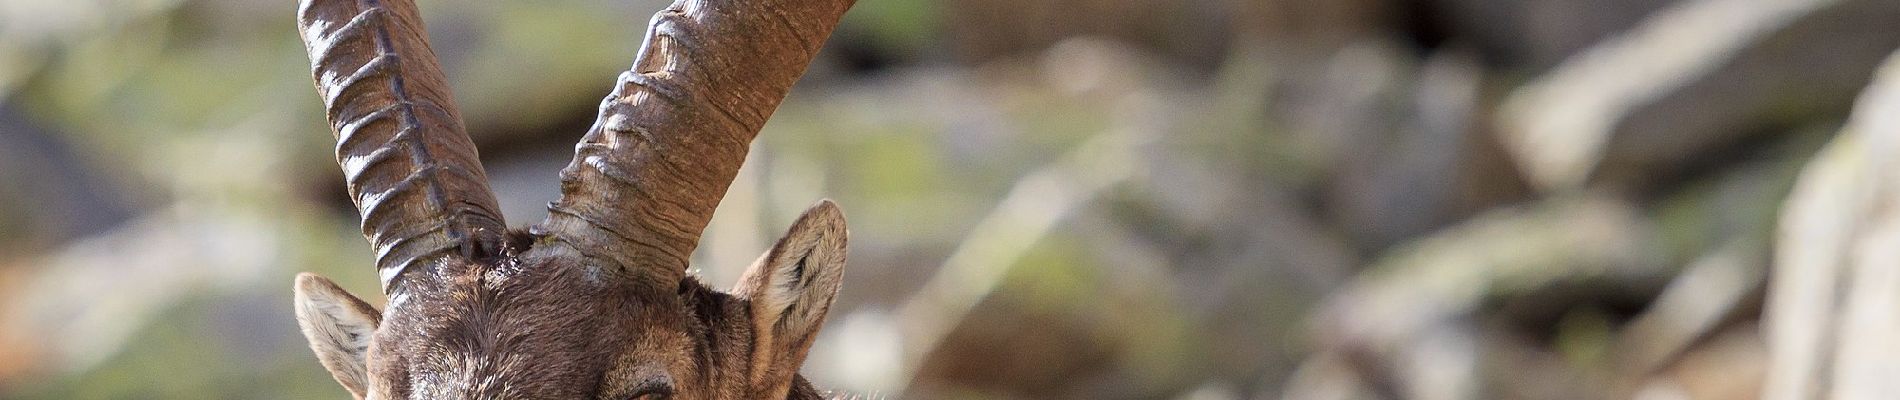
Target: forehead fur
(544,329)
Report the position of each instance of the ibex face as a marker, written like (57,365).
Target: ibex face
(542,326)
(593,302)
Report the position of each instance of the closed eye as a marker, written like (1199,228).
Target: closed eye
(653,390)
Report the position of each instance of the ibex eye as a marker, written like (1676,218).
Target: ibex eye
(651,396)
(653,390)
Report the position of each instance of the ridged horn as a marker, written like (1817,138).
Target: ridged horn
(672,134)
(409,164)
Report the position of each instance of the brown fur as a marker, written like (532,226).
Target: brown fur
(544,323)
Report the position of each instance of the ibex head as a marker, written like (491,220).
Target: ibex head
(593,302)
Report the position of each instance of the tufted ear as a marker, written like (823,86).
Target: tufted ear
(338,326)
(789,290)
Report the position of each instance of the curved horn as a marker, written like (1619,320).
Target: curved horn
(409,165)
(646,177)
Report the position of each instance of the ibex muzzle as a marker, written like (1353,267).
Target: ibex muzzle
(594,302)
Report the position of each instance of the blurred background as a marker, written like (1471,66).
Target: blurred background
(1050,199)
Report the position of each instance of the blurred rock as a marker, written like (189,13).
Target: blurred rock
(1730,365)
(52,194)
(1197,31)
(1007,353)
(1330,112)
(1709,292)
(1674,92)
(1438,166)
(1525,34)
(1831,308)
(146,265)
(1306,25)
(1326,377)
(1408,322)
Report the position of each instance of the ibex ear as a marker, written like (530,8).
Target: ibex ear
(338,326)
(789,289)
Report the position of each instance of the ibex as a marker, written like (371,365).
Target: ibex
(594,302)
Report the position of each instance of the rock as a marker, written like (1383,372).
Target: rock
(1836,278)
(1689,81)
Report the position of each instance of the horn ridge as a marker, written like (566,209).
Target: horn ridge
(672,134)
(410,167)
